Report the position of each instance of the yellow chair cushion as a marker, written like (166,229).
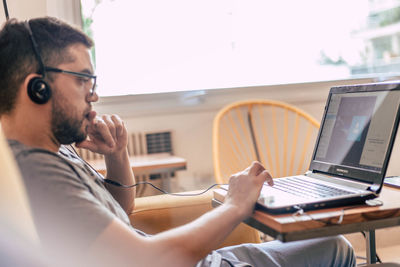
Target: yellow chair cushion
(155,214)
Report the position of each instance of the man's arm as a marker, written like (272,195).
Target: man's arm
(108,136)
(119,169)
(185,245)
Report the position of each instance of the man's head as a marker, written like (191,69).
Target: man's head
(49,51)
(17,55)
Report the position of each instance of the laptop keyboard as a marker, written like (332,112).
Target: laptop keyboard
(304,188)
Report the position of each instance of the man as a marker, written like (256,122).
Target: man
(46,90)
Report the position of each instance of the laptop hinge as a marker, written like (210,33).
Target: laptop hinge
(358,184)
(374,187)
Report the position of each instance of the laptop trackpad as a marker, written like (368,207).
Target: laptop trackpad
(274,198)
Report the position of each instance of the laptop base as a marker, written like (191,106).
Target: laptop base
(316,206)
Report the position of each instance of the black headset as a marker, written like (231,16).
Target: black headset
(38,89)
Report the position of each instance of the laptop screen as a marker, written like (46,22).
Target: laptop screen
(357,132)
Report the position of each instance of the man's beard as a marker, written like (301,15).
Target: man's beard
(66,129)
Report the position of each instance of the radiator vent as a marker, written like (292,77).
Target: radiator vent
(158,142)
(139,144)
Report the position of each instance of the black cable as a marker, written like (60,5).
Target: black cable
(6,9)
(115,183)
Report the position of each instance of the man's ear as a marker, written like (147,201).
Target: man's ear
(37,89)
(29,77)
(23,87)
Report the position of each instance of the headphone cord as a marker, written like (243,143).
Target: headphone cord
(115,183)
(6,9)
(112,182)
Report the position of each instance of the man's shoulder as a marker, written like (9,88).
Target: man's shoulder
(33,161)
(23,153)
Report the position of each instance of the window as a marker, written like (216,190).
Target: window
(155,46)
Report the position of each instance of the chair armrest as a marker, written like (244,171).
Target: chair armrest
(155,214)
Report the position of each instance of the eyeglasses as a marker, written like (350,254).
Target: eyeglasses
(86,78)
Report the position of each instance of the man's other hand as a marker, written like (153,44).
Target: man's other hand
(107,135)
(245,187)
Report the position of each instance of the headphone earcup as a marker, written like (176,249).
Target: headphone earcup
(39,91)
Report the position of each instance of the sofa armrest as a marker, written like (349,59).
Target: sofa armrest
(155,214)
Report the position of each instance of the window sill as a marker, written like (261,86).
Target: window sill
(214,99)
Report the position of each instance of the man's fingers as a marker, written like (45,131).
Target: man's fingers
(256,168)
(119,126)
(110,125)
(86,145)
(267,177)
(101,129)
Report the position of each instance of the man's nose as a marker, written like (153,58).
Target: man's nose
(92,97)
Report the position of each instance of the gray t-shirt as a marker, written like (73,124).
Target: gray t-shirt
(69,202)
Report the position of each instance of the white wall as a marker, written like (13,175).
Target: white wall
(67,10)
(24,9)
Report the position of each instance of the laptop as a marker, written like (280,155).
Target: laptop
(351,153)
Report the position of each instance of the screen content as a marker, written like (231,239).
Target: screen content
(357,129)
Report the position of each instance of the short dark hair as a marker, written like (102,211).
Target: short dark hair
(17,58)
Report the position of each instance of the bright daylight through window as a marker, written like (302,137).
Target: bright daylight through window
(177,45)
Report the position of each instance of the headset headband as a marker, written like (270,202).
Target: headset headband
(6,9)
(35,49)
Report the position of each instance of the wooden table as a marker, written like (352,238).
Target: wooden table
(327,222)
(163,163)
(148,164)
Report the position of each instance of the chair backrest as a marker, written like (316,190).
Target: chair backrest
(15,212)
(277,134)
